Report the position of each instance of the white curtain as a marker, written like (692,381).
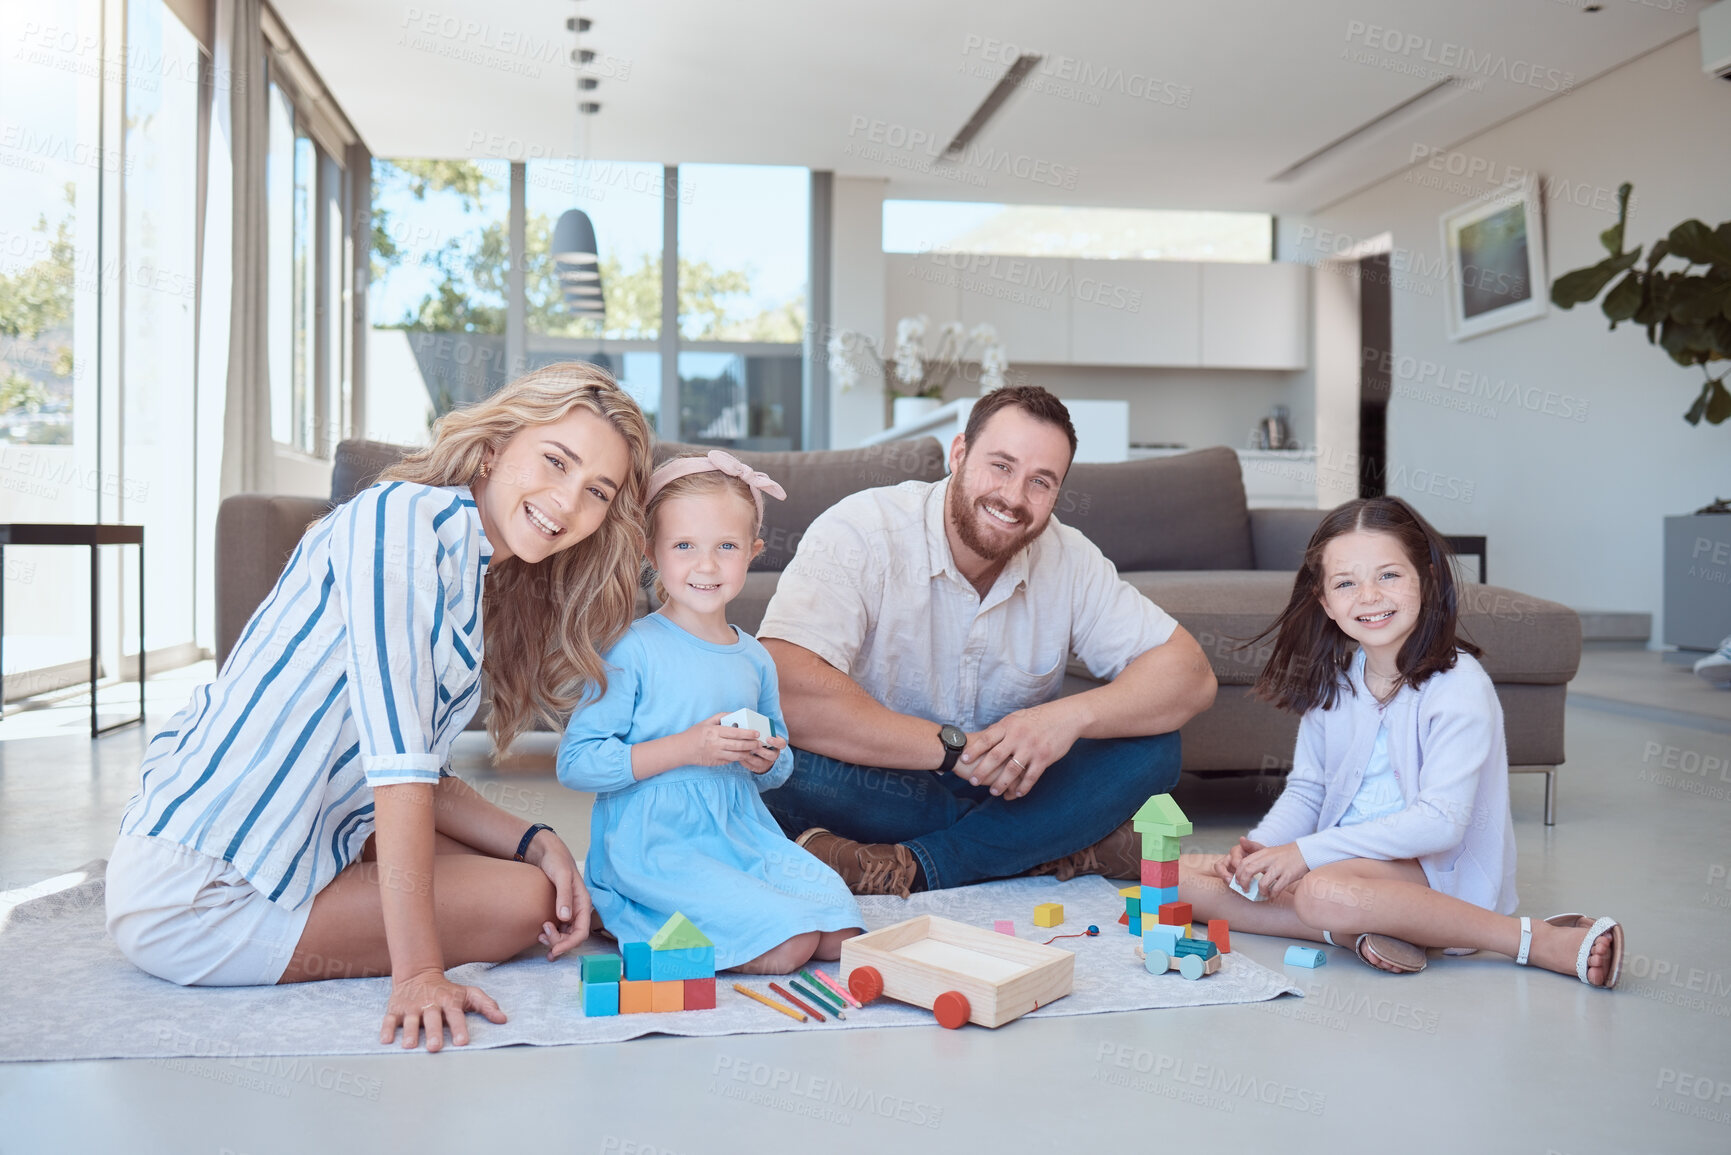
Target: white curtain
(240,136)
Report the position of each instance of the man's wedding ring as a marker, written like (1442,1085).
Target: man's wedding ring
(1017,761)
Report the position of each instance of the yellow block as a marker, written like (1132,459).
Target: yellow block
(667,996)
(1131,892)
(1049,914)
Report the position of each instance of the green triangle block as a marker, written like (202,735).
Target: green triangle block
(678,933)
(1160,815)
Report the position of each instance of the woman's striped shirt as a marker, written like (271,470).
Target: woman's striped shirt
(358,671)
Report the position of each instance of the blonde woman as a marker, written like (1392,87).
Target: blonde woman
(244,858)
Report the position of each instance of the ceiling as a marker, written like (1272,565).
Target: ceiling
(1139,103)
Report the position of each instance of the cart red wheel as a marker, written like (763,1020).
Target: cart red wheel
(865,984)
(951,1009)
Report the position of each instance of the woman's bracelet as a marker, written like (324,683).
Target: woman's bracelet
(528,837)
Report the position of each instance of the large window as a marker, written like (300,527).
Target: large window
(1070,231)
(52,163)
(308,265)
(441,291)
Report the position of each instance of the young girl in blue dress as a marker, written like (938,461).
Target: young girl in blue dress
(679,824)
(1393,830)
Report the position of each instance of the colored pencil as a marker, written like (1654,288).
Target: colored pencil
(782,991)
(768,1002)
(839,989)
(812,996)
(821,991)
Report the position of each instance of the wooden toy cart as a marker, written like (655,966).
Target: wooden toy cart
(963,974)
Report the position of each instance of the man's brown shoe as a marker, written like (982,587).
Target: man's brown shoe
(866,867)
(1118,855)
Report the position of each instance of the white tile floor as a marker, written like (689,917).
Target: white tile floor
(1471,1055)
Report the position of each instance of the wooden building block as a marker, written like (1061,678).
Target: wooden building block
(678,933)
(1166,938)
(1160,873)
(1159,848)
(636,961)
(602,968)
(699,994)
(1196,946)
(1176,914)
(1155,897)
(696,962)
(634,996)
(667,996)
(1220,934)
(1124,920)
(1004,926)
(1160,815)
(1304,956)
(600,999)
(1049,914)
(1130,892)
(1133,907)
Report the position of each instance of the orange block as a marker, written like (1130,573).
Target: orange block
(699,994)
(634,996)
(1218,934)
(1175,913)
(668,995)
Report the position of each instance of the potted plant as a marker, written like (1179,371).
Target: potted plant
(1687,312)
(916,379)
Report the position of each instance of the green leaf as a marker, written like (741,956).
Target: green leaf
(1699,245)
(1697,299)
(1621,302)
(1661,248)
(1718,402)
(1681,341)
(1693,416)
(1612,238)
(1582,285)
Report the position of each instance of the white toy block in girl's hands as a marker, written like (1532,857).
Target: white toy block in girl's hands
(1254,894)
(751,720)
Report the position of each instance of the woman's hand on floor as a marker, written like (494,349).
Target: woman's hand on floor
(426,1002)
(572,906)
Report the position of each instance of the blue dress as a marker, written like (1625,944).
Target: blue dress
(696,839)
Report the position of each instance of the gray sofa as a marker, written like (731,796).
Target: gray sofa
(1177,528)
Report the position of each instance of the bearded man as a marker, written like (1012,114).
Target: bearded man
(921,635)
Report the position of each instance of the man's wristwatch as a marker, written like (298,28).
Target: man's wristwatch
(955,740)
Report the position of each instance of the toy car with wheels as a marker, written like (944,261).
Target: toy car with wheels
(962,974)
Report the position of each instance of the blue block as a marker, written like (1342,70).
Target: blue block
(637,961)
(1167,894)
(1304,956)
(1163,936)
(1197,946)
(601,968)
(600,999)
(693,962)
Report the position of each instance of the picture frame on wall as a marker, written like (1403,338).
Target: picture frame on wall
(1495,252)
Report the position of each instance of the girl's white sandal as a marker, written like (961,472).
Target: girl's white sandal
(1596,929)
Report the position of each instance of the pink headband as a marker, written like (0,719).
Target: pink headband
(720,461)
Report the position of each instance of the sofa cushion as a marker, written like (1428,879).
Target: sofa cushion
(1525,639)
(356,464)
(816,480)
(1165,513)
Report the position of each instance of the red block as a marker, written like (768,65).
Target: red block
(1124,919)
(700,994)
(1219,936)
(1175,914)
(1161,874)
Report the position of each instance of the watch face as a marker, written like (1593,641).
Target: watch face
(954,737)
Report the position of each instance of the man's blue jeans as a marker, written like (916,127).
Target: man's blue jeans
(960,833)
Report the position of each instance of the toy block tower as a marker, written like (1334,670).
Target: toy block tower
(1161,824)
(673,971)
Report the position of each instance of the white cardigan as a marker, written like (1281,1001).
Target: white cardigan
(1445,742)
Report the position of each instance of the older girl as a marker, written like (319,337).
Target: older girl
(240,860)
(1394,827)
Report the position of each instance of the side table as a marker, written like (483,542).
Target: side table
(53,533)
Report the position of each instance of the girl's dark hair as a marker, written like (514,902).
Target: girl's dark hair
(1311,652)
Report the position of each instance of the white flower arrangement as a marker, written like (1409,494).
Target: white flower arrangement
(917,373)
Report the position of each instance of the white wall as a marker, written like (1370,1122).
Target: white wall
(1571,508)
(857,300)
